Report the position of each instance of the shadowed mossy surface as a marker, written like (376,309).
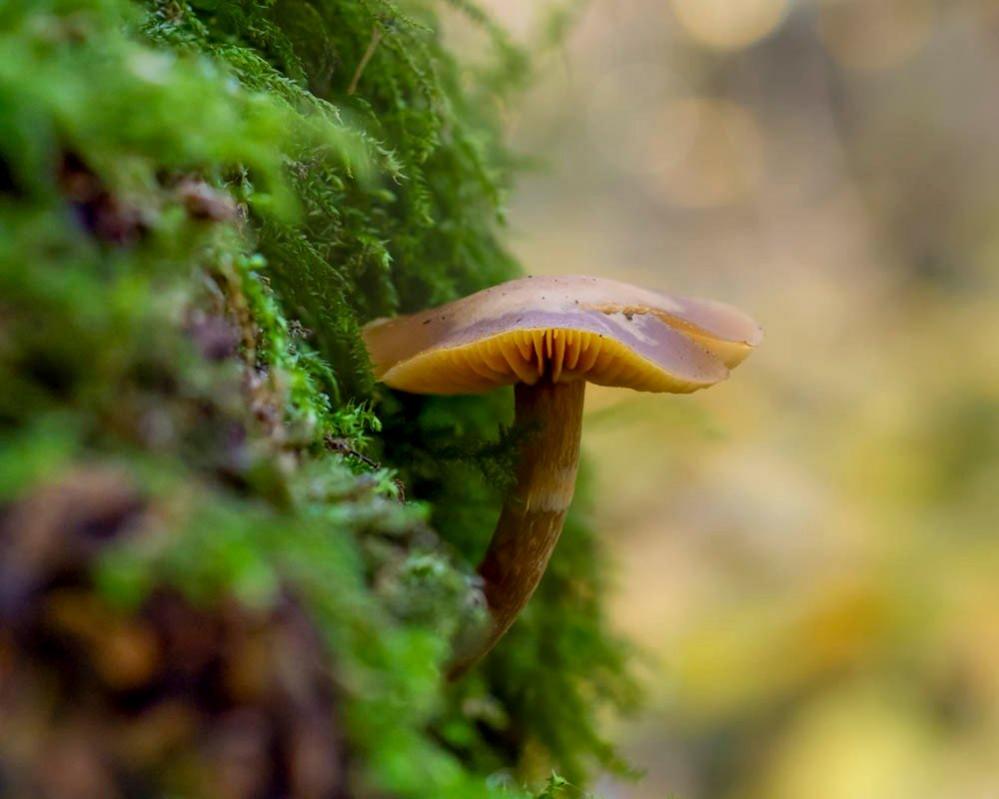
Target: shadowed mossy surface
(197,217)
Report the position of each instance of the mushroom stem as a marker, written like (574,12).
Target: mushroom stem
(550,416)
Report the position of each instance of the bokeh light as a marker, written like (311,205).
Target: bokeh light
(704,152)
(729,24)
(875,34)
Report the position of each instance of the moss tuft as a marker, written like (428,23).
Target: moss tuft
(201,203)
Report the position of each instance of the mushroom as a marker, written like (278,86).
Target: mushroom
(548,336)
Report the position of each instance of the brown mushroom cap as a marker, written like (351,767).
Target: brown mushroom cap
(566,328)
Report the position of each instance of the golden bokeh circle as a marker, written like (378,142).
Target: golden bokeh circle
(729,24)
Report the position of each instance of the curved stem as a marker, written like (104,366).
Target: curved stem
(551,416)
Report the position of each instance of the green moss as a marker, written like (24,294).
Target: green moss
(197,217)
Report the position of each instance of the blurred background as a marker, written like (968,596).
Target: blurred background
(810,552)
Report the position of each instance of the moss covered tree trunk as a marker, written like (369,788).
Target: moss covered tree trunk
(230,566)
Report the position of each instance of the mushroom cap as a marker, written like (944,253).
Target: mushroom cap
(562,329)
